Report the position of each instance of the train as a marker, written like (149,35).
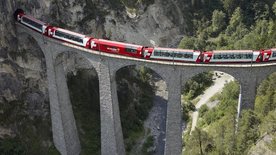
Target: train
(144,52)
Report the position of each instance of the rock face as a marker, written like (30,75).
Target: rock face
(23,83)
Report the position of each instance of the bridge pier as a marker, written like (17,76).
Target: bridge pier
(112,141)
(173,144)
(65,135)
(248,93)
(71,138)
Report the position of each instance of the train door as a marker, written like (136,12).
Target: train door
(207,56)
(266,55)
(94,44)
(50,31)
(44,29)
(147,51)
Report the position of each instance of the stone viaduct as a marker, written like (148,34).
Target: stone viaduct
(64,129)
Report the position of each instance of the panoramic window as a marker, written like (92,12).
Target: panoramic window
(68,36)
(36,25)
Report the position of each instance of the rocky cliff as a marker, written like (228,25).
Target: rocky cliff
(24,102)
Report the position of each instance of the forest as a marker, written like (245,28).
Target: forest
(232,24)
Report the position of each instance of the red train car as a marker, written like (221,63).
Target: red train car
(117,47)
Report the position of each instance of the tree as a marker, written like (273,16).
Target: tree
(247,131)
(187,43)
(218,21)
(274,8)
(199,143)
(235,21)
(229,5)
(269,123)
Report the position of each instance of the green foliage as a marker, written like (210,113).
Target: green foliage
(227,107)
(32,131)
(202,110)
(268,123)
(147,145)
(272,146)
(218,21)
(11,146)
(187,43)
(236,24)
(186,108)
(266,96)
(247,131)
(135,96)
(220,122)
(84,96)
(197,85)
(199,143)
(274,8)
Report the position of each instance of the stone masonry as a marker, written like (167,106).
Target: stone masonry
(64,129)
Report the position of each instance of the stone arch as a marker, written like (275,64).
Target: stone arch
(82,78)
(35,36)
(159,104)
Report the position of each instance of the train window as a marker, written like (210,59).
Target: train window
(238,56)
(156,53)
(225,56)
(217,56)
(166,54)
(248,56)
(34,24)
(131,50)
(273,53)
(232,56)
(68,36)
(182,55)
(179,55)
(188,55)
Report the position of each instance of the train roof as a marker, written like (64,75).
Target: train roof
(232,51)
(71,32)
(119,43)
(175,49)
(33,19)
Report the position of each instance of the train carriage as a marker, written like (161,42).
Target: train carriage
(29,21)
(172,54)
(233,56)
(69,36)
(117,47)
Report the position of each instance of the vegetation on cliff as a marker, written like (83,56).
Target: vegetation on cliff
(84,95)
(135,96)
(231,24)
(218,131)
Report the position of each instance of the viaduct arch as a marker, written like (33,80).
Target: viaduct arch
(106,65)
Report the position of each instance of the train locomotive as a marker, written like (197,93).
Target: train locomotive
(142,52)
